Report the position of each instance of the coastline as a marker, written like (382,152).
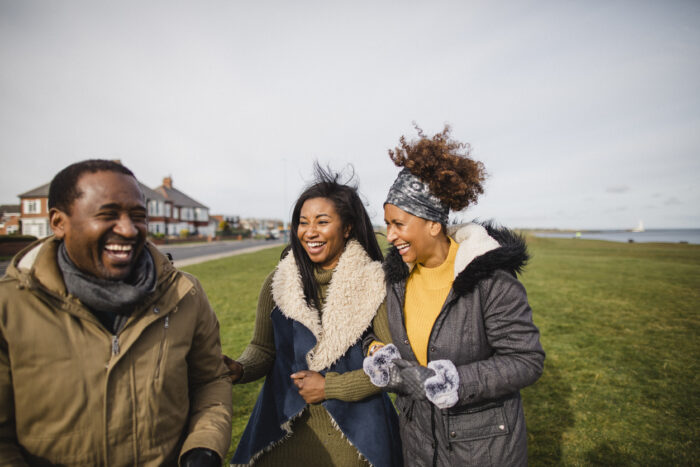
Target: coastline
(671,236)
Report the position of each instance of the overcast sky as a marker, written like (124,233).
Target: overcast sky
(586,114)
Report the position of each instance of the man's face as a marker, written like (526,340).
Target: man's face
(105,231)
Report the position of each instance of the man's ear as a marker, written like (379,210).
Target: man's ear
(57,221)
(348,229)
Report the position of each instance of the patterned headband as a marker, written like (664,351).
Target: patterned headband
(413,196)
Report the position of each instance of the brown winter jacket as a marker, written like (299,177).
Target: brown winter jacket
(73,394)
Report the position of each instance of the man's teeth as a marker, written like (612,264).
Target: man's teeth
(119,248)
(403,246)
(315,244)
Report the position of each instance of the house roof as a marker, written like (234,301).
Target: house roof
(42,191)
(178,198)
(150,193)
(162,193)
(9,208)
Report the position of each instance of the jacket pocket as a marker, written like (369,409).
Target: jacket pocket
(476,434)
(468,423)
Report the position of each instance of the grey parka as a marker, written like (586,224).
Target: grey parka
(485,328)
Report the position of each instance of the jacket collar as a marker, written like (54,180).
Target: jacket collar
(483,249)
(354,294)
(36,266)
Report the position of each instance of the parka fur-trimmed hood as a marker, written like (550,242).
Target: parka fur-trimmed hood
(483,249)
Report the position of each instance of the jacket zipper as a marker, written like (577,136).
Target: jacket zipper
(166,325)
(120,322)
(435,440)
(445,306)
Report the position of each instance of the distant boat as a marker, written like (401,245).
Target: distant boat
(639,228)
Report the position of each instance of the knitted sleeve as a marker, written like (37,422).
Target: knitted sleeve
(380,325)
(350,387)
(379,334)
(355,385)
(259,355)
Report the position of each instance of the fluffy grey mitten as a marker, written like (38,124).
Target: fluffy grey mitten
(442,389)
(377,366)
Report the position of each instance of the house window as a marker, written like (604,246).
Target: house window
(32,206)
(155,208)
(175,213)
(167,209)
(152,208)
(201,215)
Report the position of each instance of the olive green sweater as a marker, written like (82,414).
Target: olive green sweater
(314,440)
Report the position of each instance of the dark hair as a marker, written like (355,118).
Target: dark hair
(444,164)
(352,212)
(64,186)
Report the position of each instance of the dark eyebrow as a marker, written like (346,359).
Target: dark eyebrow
(317,216)
(110,206)
(118,206)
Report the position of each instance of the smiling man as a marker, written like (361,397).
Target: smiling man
(108,354)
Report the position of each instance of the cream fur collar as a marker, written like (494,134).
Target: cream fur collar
(473,240)
(354,294)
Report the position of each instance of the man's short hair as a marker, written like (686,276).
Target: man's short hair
(64,186)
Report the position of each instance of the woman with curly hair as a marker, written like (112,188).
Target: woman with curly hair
(460,335)
(317,407)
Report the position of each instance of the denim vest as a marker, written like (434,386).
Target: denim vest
(371,425)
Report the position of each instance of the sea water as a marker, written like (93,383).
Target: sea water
(651,235)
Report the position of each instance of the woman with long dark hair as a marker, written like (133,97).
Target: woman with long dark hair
(317,407)
(463,342)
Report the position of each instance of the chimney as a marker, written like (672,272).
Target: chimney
(168,182)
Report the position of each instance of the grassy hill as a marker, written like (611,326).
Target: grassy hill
(619,323)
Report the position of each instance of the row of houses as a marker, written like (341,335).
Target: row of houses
(170,212)
(9,219)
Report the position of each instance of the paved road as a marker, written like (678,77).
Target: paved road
(184,255)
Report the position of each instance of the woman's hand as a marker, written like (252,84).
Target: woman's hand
(374,347)
(311,385)
(235,369)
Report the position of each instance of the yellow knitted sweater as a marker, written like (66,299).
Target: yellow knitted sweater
(426,292)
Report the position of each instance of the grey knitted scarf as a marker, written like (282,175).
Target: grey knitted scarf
(119,297)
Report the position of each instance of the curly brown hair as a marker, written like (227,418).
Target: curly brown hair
(445,164)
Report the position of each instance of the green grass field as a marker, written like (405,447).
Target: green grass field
(619,323)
